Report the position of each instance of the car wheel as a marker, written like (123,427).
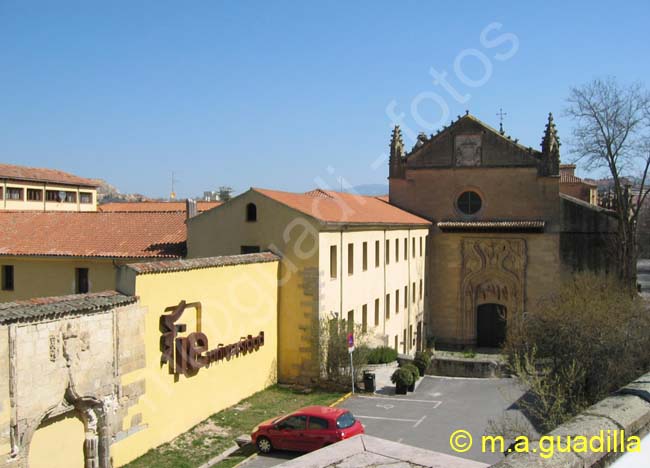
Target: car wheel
(264,445)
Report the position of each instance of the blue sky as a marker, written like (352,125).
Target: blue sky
(286,94)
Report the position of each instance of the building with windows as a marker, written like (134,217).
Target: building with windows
(502,232)
(58,253)
(574,186)
(30,188)
(348,256)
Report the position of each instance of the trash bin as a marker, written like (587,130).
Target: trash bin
(369,381)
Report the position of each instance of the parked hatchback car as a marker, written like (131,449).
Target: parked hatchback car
(307,429)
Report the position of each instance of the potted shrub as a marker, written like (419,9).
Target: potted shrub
(402,378)
(416,374)
(422,361)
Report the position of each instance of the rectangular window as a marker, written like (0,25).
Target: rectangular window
(413,291)
(14,193)
(365,256)
(377,312)
(85,197)
(7,277)
(406,296)
(34,194)
(350,321)
(350,259)
(376,254)
(411,342)
(387,253)
(364,318)
(420,289)
(52,195)
(396,250)
(406,249)
(413,248)
(420,246)
(334,268)
(82,280)
(424,248)
(0,193)
(70,197)
(404,342)
(396,344)
(249,249)
(387,306)
(396,301)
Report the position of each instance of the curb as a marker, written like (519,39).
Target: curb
(223,455)
(247,459)
(342,399)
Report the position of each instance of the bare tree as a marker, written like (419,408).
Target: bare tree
(612,131)
(225,193)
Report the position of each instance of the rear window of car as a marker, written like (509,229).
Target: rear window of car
(345,420)
(317,423)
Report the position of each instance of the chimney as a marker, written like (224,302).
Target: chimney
(568,169)
(190,208)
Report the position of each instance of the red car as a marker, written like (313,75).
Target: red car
(307,429)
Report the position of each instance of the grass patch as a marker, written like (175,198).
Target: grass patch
(214,435)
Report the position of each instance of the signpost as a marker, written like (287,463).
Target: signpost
(351,350)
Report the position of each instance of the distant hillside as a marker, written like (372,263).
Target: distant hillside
(108,193)
(370,189)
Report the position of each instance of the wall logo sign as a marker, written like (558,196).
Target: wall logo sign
(187,354)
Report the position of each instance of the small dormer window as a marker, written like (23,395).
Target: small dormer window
(469,202)
(251,213)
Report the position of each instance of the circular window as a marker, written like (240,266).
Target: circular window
(469,202)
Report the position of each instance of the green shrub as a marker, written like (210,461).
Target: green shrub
(382,355)
(422,361)
(402,377)
(412,368)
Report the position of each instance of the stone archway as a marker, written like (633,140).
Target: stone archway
(493,272)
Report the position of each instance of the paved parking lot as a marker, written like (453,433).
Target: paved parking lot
(427,417)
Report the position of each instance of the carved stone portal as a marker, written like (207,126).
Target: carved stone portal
(493,272)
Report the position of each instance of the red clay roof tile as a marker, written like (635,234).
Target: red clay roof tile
(93,234)
(154,206)
(11,171)
(345,208)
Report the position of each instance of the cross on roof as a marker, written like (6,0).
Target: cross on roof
(501,115)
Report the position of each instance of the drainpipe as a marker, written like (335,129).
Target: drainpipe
(383,312)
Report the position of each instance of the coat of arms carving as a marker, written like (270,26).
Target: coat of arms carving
(468,150)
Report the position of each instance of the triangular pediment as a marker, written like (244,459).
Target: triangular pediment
(468,142)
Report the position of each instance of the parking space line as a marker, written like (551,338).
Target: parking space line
(386,419)
(419,421)
(435,403)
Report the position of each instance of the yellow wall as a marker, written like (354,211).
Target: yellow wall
(52,276)
(44,205)
(58,444)
(236,301)
(223,230)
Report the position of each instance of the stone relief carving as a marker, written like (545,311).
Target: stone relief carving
(468,150)
(493,271)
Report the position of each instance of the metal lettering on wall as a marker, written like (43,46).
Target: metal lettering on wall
(187,354)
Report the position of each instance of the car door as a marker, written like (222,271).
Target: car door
(291,433)
(318,433)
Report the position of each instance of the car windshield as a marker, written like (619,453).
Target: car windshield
(345,420)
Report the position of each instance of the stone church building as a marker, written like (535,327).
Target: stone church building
(502,232)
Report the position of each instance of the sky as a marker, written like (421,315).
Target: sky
(285,94)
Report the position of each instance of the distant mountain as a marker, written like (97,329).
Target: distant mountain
(370,189)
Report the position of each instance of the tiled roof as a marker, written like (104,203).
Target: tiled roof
(512,225)
(167,266)
(571,179)
(344,208)
(93,234)
(57,306)
(155,206)
(10,171)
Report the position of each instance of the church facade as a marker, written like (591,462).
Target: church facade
(496,245)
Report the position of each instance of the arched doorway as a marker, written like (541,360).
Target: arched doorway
(491,325)
(58,443)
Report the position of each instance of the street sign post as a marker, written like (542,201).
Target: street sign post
(351,350)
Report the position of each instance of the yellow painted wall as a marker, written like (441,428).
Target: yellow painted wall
(236,301)
(223,230)
(58,444)
(44,205)
(52,276)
